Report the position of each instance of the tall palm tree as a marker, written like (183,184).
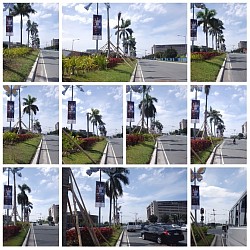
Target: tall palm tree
(34,34)
(205,17)
(130,44)
(159,126)
(114,187)
(221,127)
(215,118)
(27,211)
(207,90)
(28,29)
(22,9)
(216,28)
(124,31)
(37,126)
(30,106)
(96,118)
(118,31)
(22,198)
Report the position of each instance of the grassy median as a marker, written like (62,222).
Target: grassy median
(18,239)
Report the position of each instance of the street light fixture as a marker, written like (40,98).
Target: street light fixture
(73,43)
(184,37)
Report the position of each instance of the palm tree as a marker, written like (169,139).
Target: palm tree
(37,126)
(27,211)
(30,106)
(22,198)
(28,24)
(216,28)
(215,117)
(205,18)
(96,118)
(114,187)
(221,127)
(124,31)
(22,9)
(34,34)
(118,31)
(159,126)
(207,90)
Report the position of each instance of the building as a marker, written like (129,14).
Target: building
(81,221)
(244,130)
(243,45)
(54,212)
(57,126)
(180,48)
(183,124)
(176,209)
(55,42)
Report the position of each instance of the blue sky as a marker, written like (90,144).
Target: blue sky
(44,183)
(108,99)
(171,106)
(220,189)
(146,185)
(152,23)
(47,102)
(47,18)
(231,101)
(234,17)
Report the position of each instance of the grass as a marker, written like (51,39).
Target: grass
(209,238)
(112,241)
(95,153)
(18,69)
(207,70)
(18,239)
(21,153)
(120,73)
(140,153)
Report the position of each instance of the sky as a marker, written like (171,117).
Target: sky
(108,99)
(171,106)
(231,101)
(234,17)
(47,102)
(135,200)
(44,185)
(47,18)
(220,189)
(152,23)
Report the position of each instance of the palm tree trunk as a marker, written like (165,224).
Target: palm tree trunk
(21,31)
(205,120)
(110,210)
(114,210)
(206,40)
(14,203)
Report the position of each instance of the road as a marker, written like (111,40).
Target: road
(235,68)
(48,66)
(49,150)
(44,235)
(162,71)
(115,151)
(229,153)
(172,149)
(220,236)
(135,239)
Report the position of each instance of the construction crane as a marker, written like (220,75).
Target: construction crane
(214,214)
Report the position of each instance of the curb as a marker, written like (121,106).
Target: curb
(214,240)
(132,79)
(26,238)
(119,241)
(211,157)
(38,151)
(105,153)
(154,155)
(32,74)
(221,73)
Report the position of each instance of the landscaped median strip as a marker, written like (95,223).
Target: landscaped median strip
(32,73)
(221,73)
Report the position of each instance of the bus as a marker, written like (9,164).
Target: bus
(236,230)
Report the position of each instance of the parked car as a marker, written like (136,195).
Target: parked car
(138,226)
(131,227)
(175,226)
(34,223)
(52,223)
(163,234)
(184,227)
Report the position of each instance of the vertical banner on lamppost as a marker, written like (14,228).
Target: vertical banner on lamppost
(193,30)
(130,111)
(195,111)
(10,111)
(7,203)
(97,27)
(100,194)
(9,26)
(195,197)
(71,112)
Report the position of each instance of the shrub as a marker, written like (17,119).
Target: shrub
(134,139)
(112,62)
(200,144)
(87,143)
(10,231)
(9,137)
(196,56)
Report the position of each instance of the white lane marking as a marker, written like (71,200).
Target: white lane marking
(165,155)
(128,243)
(46,76)
(113,152)
(221,155)
(47,151)
(140,70)
(34,236)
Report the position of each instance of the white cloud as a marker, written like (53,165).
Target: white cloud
(142,176)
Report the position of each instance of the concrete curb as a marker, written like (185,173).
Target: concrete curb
(214,241)
(38,152)
(211,157)
(32,74)
(132,79)
(221,73)
(119,241)
(154,155)
(26,238)
(105,154)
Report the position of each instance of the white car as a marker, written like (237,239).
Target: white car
(131,227)
(184,227)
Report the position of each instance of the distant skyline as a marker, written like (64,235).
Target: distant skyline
(47,102)
(47,18)
(152,23)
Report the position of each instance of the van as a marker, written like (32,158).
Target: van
(131,227)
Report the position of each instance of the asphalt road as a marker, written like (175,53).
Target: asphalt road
(48,66)
(135,239)
(235,68)
(46,235)
(172,149)
(116,147)
(162,71)
(50,150)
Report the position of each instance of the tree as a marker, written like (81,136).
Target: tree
(50,218)
(30,106)
(27,210)
(216,28)
(114,187)
(205,18)
(159,126)
(153,218)
(28,29)
(96,119)
(22,9)
(207,90)
(34,35)
(130,44)
(165,218)
(37,126)
(22,198)
(215,118)
(170,53)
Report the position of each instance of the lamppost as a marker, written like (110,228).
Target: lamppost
(73,43)
(184,37)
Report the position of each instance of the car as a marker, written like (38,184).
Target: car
(52,223)
(184,227)
(131,227)
(163,234)
(138,226)
(40,223)
(34,223)
(175,226)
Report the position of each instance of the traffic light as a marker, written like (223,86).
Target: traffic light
(202,210)
(202,218)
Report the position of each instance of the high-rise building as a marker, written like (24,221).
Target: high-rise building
(244,129)
(54,212)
